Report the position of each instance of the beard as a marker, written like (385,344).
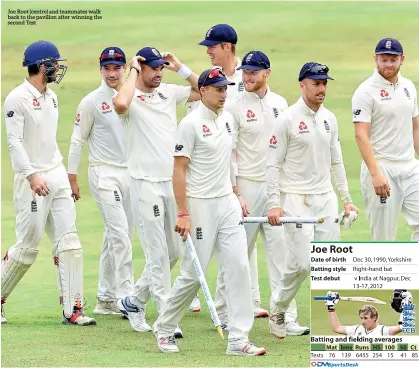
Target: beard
(255,86)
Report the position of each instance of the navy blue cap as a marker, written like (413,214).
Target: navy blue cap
(213,77)
(112,55)
(219,33)
(255,60)
(389,46)
(314,70)
(152,57)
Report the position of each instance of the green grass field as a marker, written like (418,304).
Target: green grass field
(348,311)
(342,35)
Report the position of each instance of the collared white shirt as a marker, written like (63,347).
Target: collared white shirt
(105,131)
(389,108)
(206,139)
(233,91)
(31,125)
(358,330)
(303,147)
(253,122)
(152,124)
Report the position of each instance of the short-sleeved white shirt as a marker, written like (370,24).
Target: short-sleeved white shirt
(206,139)
(389,108)
(31,125)
(253,122)
(304,145)
(152,127)
(105,131)
(358,330)
(233,91)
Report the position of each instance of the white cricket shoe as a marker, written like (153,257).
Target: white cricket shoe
(136,316)
(277,325)
(244,348)
(3,316)
(78,318)
(258,311)
(167,344)
(178,333)
(195,305)
(294,329)
(106,308)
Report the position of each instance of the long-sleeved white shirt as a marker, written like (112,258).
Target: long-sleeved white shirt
(152,128)
(253,122)
(31,126)
(303,151)
(103,129)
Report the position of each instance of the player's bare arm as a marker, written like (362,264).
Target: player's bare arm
(333,318)
(122,100)
(379,181)
(75,190)
(415,122)
(183,223)
(181,69)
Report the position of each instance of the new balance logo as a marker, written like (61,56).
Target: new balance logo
(34,206)
(156,210)
(178,148)
(117,196)
(199,233)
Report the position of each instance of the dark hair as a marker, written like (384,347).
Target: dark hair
(33,69)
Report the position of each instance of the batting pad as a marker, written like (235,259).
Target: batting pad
(14,265)
(69,261)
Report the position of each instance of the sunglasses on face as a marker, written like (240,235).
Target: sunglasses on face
(216,72)
(316,69)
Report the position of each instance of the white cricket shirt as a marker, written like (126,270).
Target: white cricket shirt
(31,126)
(389,108)
(358,330)
(152,127)
(303,147)
(103,129)
(253,122)
(206,139)
(233,91)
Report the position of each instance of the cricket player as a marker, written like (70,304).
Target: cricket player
(150,107)
(386,117)
(220,41)
(304,151)
(254,112)
(210,211)
(369,319)
(41,190)
(105,131)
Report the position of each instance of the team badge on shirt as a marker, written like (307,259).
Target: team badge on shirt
(164,98)
(240,87)
(106,109)
(36,104)
(326,126)
(275,111)
(228,127)
(302,127)
(407,93)
(272,142)
(206,131)
(384,95)
(251,116)
(54,102)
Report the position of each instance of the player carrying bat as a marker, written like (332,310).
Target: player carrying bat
(369,316)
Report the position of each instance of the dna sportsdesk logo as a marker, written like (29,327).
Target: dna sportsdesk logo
(334,364)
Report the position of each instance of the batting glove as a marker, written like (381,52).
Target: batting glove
(407,298)
(347,220)
(333,300)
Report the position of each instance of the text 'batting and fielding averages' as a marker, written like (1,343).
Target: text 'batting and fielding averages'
(364,265)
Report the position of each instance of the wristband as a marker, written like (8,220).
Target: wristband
(184,72)
(138,71)
(331,310)
(182,215)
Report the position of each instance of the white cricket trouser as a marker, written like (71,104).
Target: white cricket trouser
(54,213)
(297,240)
(155,213)
(254,275)
(214,227)
(255,195)
(404,197)
(109,186)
